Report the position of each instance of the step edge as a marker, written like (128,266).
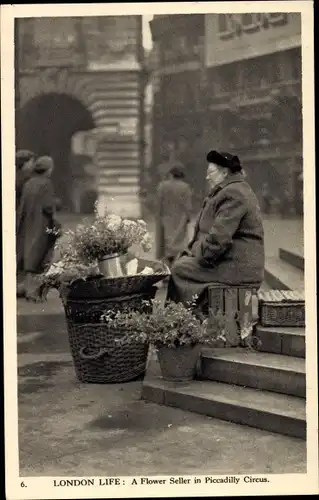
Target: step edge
(278,282)
(261,365)
(291,252)
(283,330)
(294,259)
(274,269)
(156,384)
(233,403)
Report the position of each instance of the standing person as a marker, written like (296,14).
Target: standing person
(174,206)
(228,242)
(266,198)
(24,166)
(36,215)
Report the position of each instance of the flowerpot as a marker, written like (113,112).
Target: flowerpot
(178,364)
(111,266)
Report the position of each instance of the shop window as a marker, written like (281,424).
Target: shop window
(225,26)
(278,18)
(250,23)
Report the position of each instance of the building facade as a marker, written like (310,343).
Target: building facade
(243,96)
(178,42)
(80,98)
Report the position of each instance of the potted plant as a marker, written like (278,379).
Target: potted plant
(175,331)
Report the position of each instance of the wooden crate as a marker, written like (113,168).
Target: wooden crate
(238,304)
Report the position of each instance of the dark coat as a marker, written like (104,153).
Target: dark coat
(21,178)
(228,242)
(36,214)
(174,205)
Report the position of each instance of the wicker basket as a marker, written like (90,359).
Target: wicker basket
(81,311)
(282,308)
(100,287)
(96,356)
(99,360)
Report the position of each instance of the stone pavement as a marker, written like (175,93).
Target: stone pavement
(68,428)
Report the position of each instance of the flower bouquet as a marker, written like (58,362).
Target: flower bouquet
(107,248)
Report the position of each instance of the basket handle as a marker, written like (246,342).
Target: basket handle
(101,352)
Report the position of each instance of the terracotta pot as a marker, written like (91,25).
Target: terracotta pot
(111,266)
(178,364)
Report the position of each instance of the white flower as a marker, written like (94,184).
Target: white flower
(114,222)
(55,268)
(147,242)
(127,223)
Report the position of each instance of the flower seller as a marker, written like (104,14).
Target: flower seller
(228,241)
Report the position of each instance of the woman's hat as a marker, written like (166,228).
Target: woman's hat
(43,164)
(225,160)
(22,156)
(177,170)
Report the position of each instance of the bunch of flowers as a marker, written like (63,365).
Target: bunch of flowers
(79,251)
(107,235)
(174,325)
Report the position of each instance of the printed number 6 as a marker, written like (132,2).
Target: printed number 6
(23,485)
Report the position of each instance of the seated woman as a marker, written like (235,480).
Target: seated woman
(228,242)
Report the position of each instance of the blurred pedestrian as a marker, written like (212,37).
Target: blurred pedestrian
(286,206)
(266,198)
(174,206)
(37,226)
(168,161)
(24,166)
(228,242)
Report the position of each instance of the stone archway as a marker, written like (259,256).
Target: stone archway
(46,125)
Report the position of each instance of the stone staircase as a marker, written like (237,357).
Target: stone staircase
(265,388)
(285,271)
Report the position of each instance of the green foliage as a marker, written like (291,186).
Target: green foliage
(174,325)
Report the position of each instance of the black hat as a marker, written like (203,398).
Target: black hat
(225,160)
(22,157)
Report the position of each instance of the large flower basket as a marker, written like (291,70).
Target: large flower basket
(96,355)
(178,364)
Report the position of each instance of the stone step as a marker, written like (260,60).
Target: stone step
(282,340)
(241,405)
(293,258)
(258,370)
(283,276)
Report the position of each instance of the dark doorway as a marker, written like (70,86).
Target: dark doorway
(46,125)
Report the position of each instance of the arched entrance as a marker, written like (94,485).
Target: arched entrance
(46,125)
